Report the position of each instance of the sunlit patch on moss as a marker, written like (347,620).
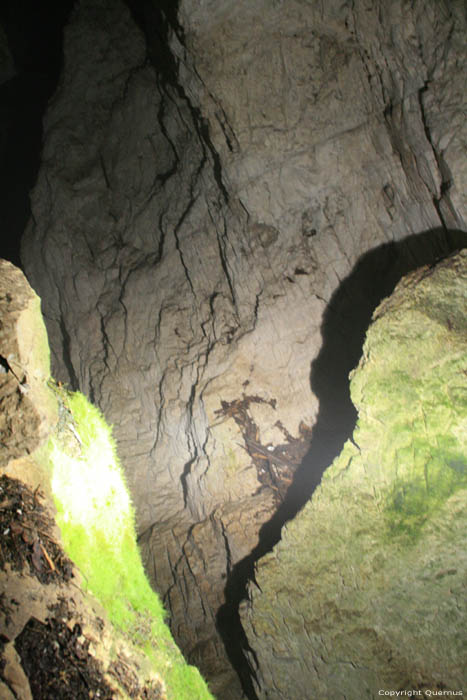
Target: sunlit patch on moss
(414,409)
(412,501)
(424,446)
(96,519)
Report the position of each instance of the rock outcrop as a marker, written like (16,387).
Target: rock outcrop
(27,410)
(366,591)
(56,638)
(212,175)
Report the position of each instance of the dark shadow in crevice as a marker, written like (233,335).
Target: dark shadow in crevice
(34,32)
(345,322)
(158,20)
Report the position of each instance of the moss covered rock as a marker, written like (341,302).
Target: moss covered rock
(78,618)
(366,592)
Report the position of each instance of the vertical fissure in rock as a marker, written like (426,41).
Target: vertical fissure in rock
(157,22)
(222,238)
(446,180)
(178,245)
(66,354)
(240,654)
(184,478)
(163,177)
(228,552)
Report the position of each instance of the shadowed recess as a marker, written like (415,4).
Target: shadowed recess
(34,35)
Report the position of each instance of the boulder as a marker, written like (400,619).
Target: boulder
(365,594)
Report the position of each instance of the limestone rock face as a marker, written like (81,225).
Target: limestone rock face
(367,589)
(26,408)
(210,178)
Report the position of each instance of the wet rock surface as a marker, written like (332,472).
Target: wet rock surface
(212,175)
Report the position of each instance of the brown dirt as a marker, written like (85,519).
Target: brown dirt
(25,526)
(56,661)
(62,645)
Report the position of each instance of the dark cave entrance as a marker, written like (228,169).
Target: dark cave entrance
(34,34)
(345,322)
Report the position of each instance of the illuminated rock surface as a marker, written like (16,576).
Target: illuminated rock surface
(26,407)
(367,589)
(225,195)
(94,633)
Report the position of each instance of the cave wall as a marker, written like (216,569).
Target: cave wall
(210,179)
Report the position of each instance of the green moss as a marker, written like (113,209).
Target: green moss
(436,476)
(96,519)
(412,403)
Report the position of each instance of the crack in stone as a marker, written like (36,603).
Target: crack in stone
(66,350)
(446,183)
(227,547)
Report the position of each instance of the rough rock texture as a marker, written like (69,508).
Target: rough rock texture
(367,589)
(210,181)
(54,640)
(26,407)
